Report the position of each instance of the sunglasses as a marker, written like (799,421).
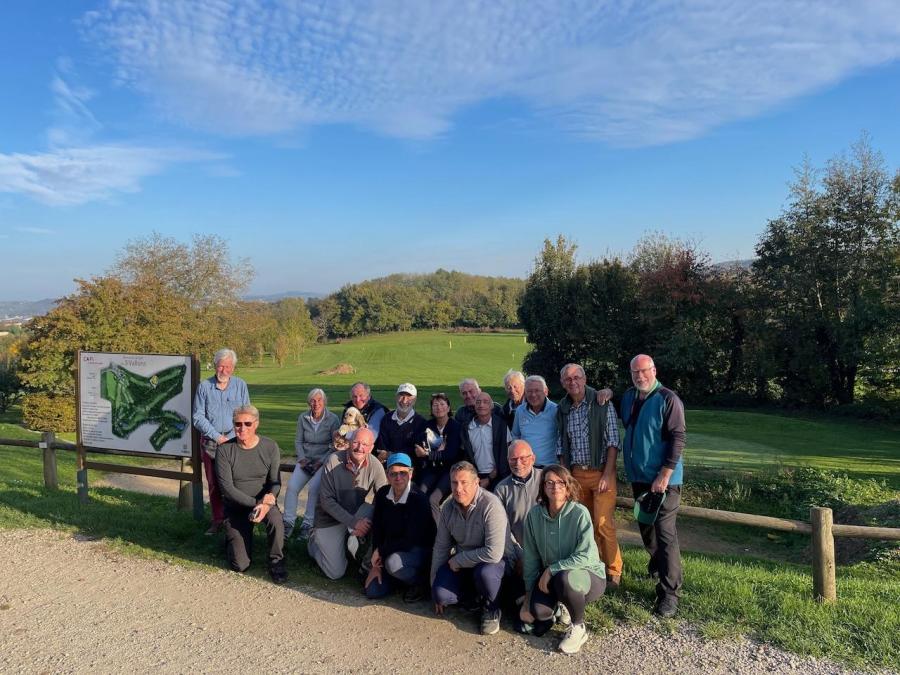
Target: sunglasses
(238,425)
(397,474)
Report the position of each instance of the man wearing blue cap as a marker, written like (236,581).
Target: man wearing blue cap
(653,417)
(402,534)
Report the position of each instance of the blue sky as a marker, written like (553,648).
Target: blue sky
(332,142)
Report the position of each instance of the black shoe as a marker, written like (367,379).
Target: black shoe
(490,621)
(413,593)
(278,573)
(666,606)
(613,585)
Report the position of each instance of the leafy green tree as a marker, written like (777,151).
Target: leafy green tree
(829,268)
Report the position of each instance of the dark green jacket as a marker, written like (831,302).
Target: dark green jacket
(597,435)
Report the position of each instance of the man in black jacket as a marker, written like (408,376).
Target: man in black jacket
(402,535)
(485,439)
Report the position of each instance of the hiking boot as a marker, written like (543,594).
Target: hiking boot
(305,531)
(613,584)
(574,639)
(562,616)
(490,621)
(278,573)
(666,606)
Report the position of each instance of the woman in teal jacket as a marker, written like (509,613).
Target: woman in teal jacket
(561,563)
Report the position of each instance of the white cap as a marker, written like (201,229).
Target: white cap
(407,388)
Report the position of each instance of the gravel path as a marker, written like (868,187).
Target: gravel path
(73,605)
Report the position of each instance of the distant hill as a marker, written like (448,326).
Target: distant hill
(733,264)
(286,294)
(25,308)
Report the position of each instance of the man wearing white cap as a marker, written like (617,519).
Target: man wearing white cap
(404,428)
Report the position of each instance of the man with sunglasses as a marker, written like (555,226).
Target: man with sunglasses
(247,470)
(348,476)
(402,535)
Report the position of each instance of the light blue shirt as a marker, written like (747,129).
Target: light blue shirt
(213,407)
(540,431)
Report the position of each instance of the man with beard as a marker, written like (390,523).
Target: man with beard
(404,428)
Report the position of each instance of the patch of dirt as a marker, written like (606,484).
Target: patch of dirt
(77,606)
(339,369)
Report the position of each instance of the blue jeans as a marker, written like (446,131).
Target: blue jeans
(404,567)
(483,579)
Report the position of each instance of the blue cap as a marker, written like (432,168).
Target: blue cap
(399,458)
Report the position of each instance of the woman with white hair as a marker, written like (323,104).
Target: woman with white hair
(313,443)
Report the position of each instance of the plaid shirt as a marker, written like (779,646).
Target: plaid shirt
(577,429)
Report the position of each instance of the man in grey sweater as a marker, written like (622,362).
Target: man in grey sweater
(348,477)
(518,493)
(468,553)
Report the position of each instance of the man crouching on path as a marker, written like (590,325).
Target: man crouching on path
(348,476)
(475,526)
(247,470)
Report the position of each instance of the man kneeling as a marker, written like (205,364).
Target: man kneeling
(402,534)
(247,471)
(348,476)
(474,528)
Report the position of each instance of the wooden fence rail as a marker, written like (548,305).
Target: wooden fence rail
(821,526)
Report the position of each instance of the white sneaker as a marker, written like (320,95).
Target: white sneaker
(574,638)
(562,616)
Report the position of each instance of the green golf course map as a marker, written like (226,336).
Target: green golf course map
(138,400)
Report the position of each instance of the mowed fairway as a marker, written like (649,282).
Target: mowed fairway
(741,440)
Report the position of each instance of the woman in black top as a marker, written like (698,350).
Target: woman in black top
(440,452)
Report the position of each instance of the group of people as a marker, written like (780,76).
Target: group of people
(493,507)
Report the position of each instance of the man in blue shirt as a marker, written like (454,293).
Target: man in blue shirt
(214,404)
(535,422)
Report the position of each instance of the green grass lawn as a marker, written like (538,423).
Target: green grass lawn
(724,596)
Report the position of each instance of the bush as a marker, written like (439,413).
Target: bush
(45,412)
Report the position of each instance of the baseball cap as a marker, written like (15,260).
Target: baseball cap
(399,458)
(407,388)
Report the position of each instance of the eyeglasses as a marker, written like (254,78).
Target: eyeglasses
(574,378)
(642,370)
(397,474)
(554,483)
(519,460)
(238,425)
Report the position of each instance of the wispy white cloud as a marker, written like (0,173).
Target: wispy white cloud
(70,176)
(27,229)
(74,122)
(625,72)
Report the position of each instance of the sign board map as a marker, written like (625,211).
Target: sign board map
(135,402)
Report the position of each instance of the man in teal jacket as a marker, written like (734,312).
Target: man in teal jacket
(653,417)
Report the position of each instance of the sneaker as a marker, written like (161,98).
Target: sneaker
(574,639)
(305,531)
(562,616)
(666,606)
(214,528)
(278,573)
(490,621)
(288,530)
(613,585)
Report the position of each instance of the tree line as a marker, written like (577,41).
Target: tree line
(813,322)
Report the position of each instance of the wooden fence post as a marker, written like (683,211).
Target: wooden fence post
(48,438)
(185,495)
(824,587)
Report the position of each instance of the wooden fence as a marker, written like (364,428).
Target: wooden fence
(820,526)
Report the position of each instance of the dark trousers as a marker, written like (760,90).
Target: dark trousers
(403,567)
(573,588)
(483,579)
(239,536)
(436,484)
(661,541)
(215,496)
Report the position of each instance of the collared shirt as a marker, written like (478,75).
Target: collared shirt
(408,418)
(213,407)
(482,437)
(540,430)
(403,497)
(577,428)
